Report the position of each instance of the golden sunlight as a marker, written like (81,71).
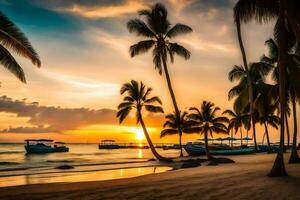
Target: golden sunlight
(139,134)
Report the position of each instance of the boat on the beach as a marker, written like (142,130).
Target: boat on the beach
(108,144)
(44,146)
(198,149)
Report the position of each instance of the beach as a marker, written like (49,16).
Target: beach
(245,179)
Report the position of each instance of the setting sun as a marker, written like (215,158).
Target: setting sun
(139,133)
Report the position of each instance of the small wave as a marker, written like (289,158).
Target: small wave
(10,152)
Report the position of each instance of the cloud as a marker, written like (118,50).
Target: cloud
(49,119)
(105,11)
(33,129)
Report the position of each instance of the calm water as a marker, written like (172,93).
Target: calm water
(90,163)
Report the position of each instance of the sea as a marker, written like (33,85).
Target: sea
(85,162)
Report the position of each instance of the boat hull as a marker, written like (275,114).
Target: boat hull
(34,149)
(198,150)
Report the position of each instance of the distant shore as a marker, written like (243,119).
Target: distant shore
(246,179)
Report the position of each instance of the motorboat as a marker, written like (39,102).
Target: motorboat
(42,146)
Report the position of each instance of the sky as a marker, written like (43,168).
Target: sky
(84,49)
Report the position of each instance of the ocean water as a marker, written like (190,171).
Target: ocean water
(90,164)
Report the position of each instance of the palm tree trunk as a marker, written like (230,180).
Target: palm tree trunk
(180,144)
(172,95)
(241,137)
(209,156)
(249,81)
(278,168)
(294,155)
(231,137)
(268,137)
(287,130)
(153,150)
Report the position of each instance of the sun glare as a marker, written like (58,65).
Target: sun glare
(139,134)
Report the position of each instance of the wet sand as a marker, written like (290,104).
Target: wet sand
(246,179)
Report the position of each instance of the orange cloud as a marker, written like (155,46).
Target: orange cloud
(129,6)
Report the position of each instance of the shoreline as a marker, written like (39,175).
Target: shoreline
(246,179)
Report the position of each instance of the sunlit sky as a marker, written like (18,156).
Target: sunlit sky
(83,45)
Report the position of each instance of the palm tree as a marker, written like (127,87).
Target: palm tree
(173,124)
(287,25)
(138,98)
(158,32)
(258,72)
(208,122)
(237,121)
(12,38)
(293,86)
(266,107)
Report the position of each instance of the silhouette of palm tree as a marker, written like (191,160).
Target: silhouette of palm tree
(138,98)
(208,122)
(158,31)
(293,85)
(237,121)
(173,124)
(13,39)
(287,18)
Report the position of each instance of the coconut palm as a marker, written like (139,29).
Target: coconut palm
(173,124)
(237,121)
(12,38)
(158,32)
(258,72)
(138,98)
(266,107)
(293,86)
(208,122)
(287,25)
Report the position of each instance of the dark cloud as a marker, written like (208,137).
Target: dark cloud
(33,129)
(205,5)
(47,119)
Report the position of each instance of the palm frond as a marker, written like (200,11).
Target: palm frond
(175,48)
(141,47)
(237,73)
(12,38)
(154,109)
(140,28)
(8,61)
(178,29)
(153,100)
(123,113)
(166,132)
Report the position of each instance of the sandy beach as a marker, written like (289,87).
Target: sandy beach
(246,179)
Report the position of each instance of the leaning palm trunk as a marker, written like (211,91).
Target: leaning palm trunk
(172,96)
(279,167)
(294,155)
(159,157)
(249,81)
(287,130)
(268,137)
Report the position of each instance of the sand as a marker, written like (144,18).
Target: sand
(246,179)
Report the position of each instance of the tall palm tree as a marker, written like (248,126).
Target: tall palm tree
(12,38)
(237,121)
(258,72)
(173,124)
(157,31)
(287,24)
(293,86)
(208,122)
(138,98)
